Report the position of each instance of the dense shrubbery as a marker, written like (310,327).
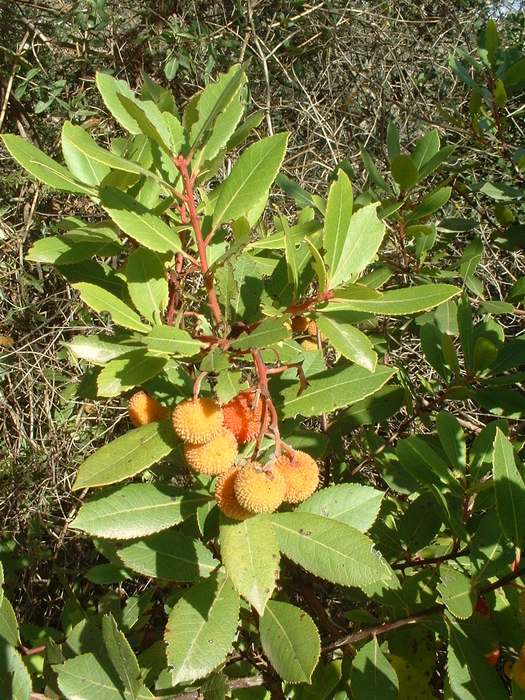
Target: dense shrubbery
(361,327)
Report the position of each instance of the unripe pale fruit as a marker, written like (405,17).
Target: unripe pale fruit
(259,491)
(243,416)
(144,409)
(213,457)
(197,421)
(301,476)
(226,498)
(518,673)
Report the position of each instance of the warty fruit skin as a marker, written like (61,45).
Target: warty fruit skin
(226,498)
(197,421)
(243,416)
(259,491)
(144,409)
(301,476)
(213,457)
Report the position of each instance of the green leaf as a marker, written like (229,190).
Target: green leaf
(15,682)
(150,121)
(290,256)
(373,171)
(336,388)
(110,89)
(399,302)
(122,656)
(392,141)
(172,341)
(128,371)
(43,167)
(501,401)
(89,677)
(147,284)
(426,149)
(348,340)
(509,489)
(362,238)
(404,172)
(339,210)
(514,74)
(511,355)
(425,465)
(301,197)
(331,549)
(471,677)
(376,408)
(491,42)
(219,114)
(127,455)
(485,353)
(452,439)
(471,257)
(456,592)
(290,640)
(372,677)
(466,329)
(420,523)
(413,683)
(429,204)
(201,627)
(491,553)
(353,504)
(268,333)
(170,556)
(137,221)
(100,300)
(251,557)
(250,179)
(434,163)
(75,247)
(88,154)
(480,455)
(100,349)
(431,344)
(135,510)
(88,170)
(8,623)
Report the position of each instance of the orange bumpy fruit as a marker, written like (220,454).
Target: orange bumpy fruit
(144,409)
(308,345)
(197,421)
(243,416)
(518,673)
(215,456)
(226,498)
(522,653)
(259,491)
(301,476)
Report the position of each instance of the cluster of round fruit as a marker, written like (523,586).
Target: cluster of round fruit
(211,435)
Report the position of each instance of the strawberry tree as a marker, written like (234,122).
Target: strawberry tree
(210,301)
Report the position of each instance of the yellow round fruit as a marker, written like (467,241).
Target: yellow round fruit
(213,457)
(259,491)
(301,476)
(197,421)
(144,409)
(226,498)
